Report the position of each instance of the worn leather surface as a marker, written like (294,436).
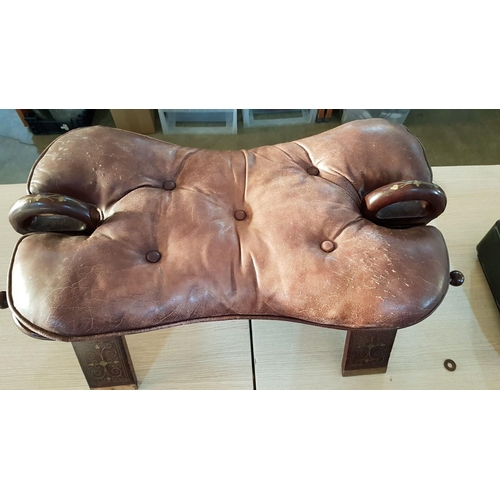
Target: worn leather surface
(276,262)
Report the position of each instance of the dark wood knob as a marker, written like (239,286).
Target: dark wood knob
(456,278)
(3,300)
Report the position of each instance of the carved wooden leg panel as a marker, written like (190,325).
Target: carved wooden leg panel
(106,364)
(367,351)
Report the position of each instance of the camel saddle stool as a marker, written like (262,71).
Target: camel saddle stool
(125,234)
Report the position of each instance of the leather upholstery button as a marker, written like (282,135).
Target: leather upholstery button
(153,256)
(327,246)
(240,215)
(169,185)
(313,171)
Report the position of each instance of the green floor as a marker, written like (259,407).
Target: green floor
(450,137)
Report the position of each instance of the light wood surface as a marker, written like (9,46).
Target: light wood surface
(201,356)
(465,328)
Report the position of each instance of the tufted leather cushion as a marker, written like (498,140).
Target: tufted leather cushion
(272,232)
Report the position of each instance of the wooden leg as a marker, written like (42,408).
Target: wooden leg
(106,364)
(367,351)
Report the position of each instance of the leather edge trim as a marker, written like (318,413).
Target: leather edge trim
(58,337)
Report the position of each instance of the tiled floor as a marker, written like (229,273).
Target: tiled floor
(450,137)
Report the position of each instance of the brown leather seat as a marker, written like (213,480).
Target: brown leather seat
(186,235)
